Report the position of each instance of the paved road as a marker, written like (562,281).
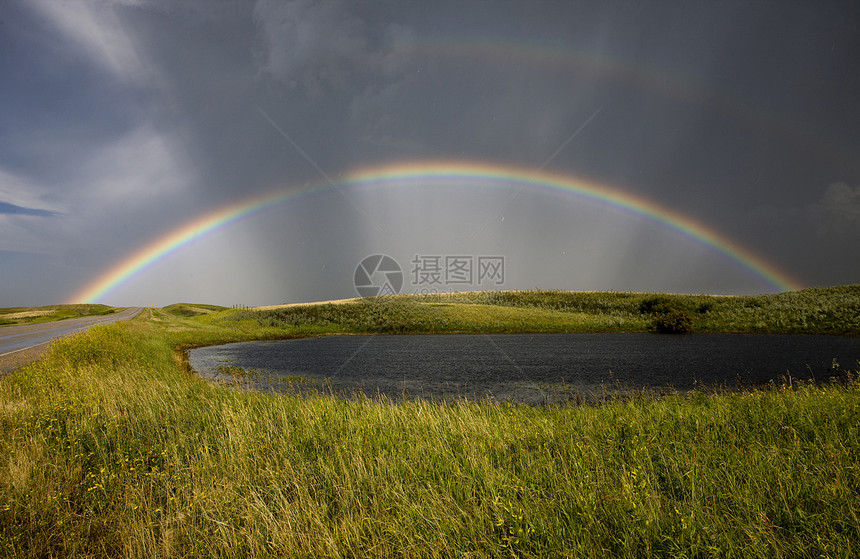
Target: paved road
(22,344)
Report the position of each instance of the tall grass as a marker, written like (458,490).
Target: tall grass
(109,448)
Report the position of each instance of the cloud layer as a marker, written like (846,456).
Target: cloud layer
(124,119)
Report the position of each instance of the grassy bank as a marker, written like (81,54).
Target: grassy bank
(833,310)
(36,315)
(109,448)
(188,310)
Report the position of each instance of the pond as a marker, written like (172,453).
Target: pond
(530,368)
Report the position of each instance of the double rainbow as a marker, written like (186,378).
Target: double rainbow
(464,173)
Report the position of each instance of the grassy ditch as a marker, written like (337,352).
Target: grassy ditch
(108,447)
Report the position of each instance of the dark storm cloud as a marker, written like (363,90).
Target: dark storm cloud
(838,213)
(134,116)
(12,209)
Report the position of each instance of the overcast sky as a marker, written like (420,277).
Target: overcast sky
(122,120)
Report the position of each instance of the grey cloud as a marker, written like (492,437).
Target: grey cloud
(131,117)
(320,44)
(7,208)
(95,29)
(839,210)
(468,110)
(311,43)
(404,100)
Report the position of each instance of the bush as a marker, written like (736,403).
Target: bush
(672,322)
(660,304)
(705,307)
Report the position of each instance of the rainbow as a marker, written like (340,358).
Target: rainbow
(667,84)
(421,172)
(600,66)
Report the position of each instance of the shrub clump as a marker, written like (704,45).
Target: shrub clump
(667,315)
(659,304)
(673,321)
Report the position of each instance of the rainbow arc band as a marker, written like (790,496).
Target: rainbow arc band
(417,173)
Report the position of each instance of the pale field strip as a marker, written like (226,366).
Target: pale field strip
(198,309)
(332,302)
(29,314)
(448,294)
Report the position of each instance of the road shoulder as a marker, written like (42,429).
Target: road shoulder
(12,361)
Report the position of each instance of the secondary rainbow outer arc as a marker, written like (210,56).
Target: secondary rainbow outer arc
(455,171)
(663,81)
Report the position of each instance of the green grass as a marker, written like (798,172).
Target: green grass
(188,310)
(834,310)
(50,313)
(110,447)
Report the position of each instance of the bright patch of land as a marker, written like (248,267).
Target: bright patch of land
(110,447)
(28,314)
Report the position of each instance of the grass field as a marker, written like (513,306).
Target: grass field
(36,315)
(109,447)
(834,310)
(189,310)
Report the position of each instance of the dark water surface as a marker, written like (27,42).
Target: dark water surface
(533,368)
